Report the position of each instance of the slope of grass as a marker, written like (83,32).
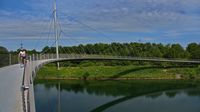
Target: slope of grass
(118,72)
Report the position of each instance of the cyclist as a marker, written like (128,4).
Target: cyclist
(22,56)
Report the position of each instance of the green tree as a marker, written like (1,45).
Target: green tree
(154,52)
(194,50)
(177,51)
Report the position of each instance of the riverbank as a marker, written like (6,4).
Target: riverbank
(127,72)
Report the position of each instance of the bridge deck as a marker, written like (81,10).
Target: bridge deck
(10,88)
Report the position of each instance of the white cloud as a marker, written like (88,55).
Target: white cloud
(173,17)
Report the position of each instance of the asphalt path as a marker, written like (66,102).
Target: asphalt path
(10,88)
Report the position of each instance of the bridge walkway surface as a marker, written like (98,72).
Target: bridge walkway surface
(13,98)
(10,88)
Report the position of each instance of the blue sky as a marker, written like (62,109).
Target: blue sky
(160,21)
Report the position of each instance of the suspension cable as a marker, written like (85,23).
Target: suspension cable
(41,36)
(93,29)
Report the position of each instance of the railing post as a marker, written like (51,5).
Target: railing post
(48,55)
(33,57)
(10,59)
(37,57)
(51,56)
(40,57)
(30,58)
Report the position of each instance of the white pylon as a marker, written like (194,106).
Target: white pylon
(56,33)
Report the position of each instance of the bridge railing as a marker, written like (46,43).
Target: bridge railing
(35,57)
(7,59)
(10,59)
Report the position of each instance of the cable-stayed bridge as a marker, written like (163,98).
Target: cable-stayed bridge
(16,82)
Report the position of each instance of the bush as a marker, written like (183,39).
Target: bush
(85,75)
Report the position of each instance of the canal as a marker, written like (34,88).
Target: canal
(117,96)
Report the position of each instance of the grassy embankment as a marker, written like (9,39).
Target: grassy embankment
(98,70)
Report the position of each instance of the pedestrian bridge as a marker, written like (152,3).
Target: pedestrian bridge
(16,83)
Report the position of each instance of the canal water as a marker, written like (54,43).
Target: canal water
(117,96)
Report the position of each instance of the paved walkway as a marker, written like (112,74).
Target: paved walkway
(10,89)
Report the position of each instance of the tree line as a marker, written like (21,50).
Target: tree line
(191,51)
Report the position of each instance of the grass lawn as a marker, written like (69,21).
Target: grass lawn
(118,72)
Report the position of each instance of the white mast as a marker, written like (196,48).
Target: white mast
(56,33)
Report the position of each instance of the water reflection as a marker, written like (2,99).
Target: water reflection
(97,96)
(181,101)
